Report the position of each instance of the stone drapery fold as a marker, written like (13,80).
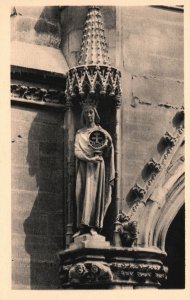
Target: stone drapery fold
(94,180)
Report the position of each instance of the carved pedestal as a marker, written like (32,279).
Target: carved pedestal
(89,265)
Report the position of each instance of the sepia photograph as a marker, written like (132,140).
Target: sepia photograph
(97,147)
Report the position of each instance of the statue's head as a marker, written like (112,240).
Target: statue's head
(89,115)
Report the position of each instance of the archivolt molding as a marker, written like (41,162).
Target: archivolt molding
(174,199)
(161,208)
(158,198)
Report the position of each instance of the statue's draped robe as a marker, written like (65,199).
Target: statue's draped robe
(94,180)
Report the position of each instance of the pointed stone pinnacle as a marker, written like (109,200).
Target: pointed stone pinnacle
(94,49)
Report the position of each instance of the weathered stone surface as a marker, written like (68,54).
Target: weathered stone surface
(35,279)
(46,179)
(75,40)
(38,224)
(19,152)
(35,115)
(36,25)
(51,60)
(153,65)
(153,14)
(37,245)
(55,224)
(160,36)
(37,201)
(38,131)
(23,200)
(21,274)
(39,281)
(112,38)
(158,91)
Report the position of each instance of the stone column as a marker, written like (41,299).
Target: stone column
(69,167)
(117,167)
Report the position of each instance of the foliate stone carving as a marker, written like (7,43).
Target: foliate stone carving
(90,272)
(130,273)
(150,181)
(140,194)
(169,140)
(180,131)
(154,166)
(127,229)
(142,276)
(111,266)
(18,90)
(123,271)
(138,191)
(138,273)
(37,94)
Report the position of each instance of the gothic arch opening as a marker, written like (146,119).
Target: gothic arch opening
(175,248)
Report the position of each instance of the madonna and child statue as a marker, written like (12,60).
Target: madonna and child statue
(95,172)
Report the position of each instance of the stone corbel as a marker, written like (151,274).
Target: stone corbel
(93,80)
(100,274)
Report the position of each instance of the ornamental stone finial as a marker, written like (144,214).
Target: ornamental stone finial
(93,76)
(94,49)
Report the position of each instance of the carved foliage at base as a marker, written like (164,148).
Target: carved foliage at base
(37,94)
(139,273)
(85,273)
(127,229)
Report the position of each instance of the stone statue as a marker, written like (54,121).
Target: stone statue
(95,172)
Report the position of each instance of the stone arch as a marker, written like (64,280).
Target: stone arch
(174,199)
(162,207)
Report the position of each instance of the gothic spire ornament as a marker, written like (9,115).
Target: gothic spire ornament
(94,48)
(93,76)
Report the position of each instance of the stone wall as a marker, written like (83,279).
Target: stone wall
(152,70)
(36,25)
(37,197)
